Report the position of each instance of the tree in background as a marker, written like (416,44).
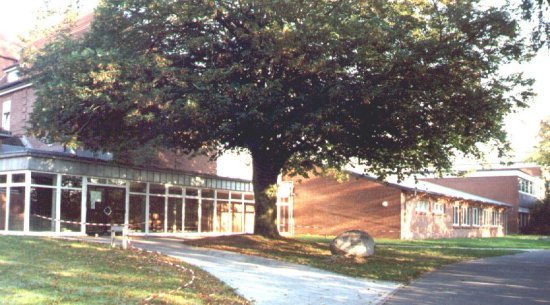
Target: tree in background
(541,154)
(539,218)
(394,85)
(537,13)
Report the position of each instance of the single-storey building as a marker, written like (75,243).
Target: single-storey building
(405,210)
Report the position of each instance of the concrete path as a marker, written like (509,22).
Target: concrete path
(515,279)
(272,282)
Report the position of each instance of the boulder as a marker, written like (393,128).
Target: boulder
(353,243)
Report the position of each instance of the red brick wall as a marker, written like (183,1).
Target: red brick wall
(503,188)
(21,107)
(322,205)
(430,224)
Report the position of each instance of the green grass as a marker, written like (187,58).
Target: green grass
(389,262)
(48,271)
(507,242)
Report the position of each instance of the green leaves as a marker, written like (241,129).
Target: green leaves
(396,84)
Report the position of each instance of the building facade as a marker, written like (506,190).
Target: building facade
(48,189)
(323,205)
(519,187)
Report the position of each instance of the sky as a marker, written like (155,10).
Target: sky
(18,17)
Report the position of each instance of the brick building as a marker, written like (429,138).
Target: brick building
(520,187)
(405,210)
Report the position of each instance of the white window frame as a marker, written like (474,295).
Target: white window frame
(422,206)
(438,208)
(475,217)
(456,215)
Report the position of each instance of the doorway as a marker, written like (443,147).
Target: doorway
(105,205)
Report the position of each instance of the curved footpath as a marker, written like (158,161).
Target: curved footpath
(514,279)
(271,282)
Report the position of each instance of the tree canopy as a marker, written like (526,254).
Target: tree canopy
(394,85)
(541,155)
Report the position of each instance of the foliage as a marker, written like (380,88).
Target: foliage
(392,262)
(537,13)
(395,85)
(46,271)
(539,218)
(541,154)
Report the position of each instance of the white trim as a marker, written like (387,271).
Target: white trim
(83,204)
(23,86)
(504,173)
(27,198)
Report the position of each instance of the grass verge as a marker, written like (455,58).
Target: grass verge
(392,263)
(47,271)
(506,242)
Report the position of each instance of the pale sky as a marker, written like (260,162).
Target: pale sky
(18,17)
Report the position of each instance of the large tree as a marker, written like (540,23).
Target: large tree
(393,85)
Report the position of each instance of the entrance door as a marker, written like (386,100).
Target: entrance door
(105,205)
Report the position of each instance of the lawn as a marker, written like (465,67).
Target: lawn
(390,262)
(506,242)
(48,271)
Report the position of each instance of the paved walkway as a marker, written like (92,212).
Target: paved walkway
(272,282)
(515,279)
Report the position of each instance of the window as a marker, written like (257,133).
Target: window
(438,208)
(525,186)
(422,206)
(494,221)
(456,217)
(6,115)
(475,216)
(465,216)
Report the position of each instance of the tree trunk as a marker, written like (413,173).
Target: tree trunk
(264,180)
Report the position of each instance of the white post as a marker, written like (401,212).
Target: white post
(230,203)
(83,205)
(147,208)
(199,225)
(26,220)
(166,209)
(58,204)
(8,202)
(243,214)
(216,211)
(127,206)
(183,211)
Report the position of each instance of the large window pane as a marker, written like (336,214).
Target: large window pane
(237,217)
(207,216)
(156,214)
(105,205)
(71,201)
(224,216)
(42,207)
(17,209)
(191,215)
(249,218)
(175,206)
(3,203)
(137,213)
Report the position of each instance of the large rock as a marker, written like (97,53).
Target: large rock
(353,243)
